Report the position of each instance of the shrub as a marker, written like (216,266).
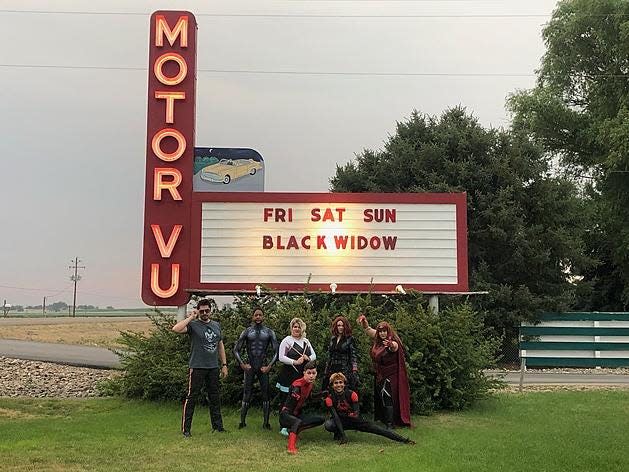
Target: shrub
(155,365)
(445,353)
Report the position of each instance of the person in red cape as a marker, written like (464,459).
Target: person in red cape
(392,403)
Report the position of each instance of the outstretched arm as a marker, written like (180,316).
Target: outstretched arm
(369,331)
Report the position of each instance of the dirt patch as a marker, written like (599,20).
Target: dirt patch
(101,334)
(15,414)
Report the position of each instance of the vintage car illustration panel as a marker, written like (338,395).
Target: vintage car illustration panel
(228,170)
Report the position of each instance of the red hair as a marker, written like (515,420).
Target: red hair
(391,334)
(347,332)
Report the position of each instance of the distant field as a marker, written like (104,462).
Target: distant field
(77,331)
(116,312)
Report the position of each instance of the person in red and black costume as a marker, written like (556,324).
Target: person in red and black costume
(392,395)
(345,413)
(291,413)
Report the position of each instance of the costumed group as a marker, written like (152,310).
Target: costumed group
(298,374)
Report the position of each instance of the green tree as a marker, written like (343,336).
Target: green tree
(579,113)
(523,223)
(57,306)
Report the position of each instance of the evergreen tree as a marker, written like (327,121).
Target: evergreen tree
(524,224)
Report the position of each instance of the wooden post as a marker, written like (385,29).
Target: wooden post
(522,369)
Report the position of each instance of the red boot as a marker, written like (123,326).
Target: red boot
(292,443)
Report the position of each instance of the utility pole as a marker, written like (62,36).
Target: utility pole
(43,308)
(5,308)
(75,278)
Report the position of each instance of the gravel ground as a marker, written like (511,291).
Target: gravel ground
(560,388)
(616,371)
(21,378)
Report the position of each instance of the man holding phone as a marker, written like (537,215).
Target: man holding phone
(207,352)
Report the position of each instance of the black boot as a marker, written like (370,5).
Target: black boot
(243,414)
(266,409)
(388,417)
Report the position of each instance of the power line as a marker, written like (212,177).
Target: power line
(310,15)
(58,66)
(283,72)
(34,289)
(293,15)
(312,73)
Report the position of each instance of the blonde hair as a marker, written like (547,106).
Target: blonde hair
(338,376)
(301,324)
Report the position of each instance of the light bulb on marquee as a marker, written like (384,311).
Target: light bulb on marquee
(333,288)
(258,290)
(400,289)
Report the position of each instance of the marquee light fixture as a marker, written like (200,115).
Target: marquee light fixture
(400,289)
(333,288)
(258,290)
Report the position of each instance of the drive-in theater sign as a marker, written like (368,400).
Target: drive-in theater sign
(229,242)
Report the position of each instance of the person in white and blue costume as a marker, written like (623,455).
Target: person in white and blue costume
(295,351)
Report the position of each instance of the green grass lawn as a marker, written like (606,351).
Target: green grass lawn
(560,431)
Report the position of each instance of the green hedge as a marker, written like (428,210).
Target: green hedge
(445,353)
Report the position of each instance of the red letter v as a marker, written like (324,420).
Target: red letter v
(166,249)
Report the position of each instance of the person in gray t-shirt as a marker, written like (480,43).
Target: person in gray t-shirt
(206,350)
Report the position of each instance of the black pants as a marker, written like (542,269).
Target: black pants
(296,424)
(249,377)
(361,424)
(198,378)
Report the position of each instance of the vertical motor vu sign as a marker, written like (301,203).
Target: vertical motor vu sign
(169,157)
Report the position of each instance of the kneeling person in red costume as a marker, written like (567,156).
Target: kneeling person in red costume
(343,405)
(291,416)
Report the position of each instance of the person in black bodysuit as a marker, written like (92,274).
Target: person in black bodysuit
(291,416)
(341,354)
(258,338)
(345,413)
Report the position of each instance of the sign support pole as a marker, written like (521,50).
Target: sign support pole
(181,312)
(433,303)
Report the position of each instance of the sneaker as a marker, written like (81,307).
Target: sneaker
(266,426)
(219,430)
(284,431)
(242,425)
(186,434)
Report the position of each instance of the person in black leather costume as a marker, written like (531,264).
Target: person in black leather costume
(342,355)
(257,338)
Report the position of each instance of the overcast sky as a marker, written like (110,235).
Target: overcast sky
(73,126)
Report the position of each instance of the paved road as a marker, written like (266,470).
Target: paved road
(564,378)
(66,320)
(83,356)
(104,359)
